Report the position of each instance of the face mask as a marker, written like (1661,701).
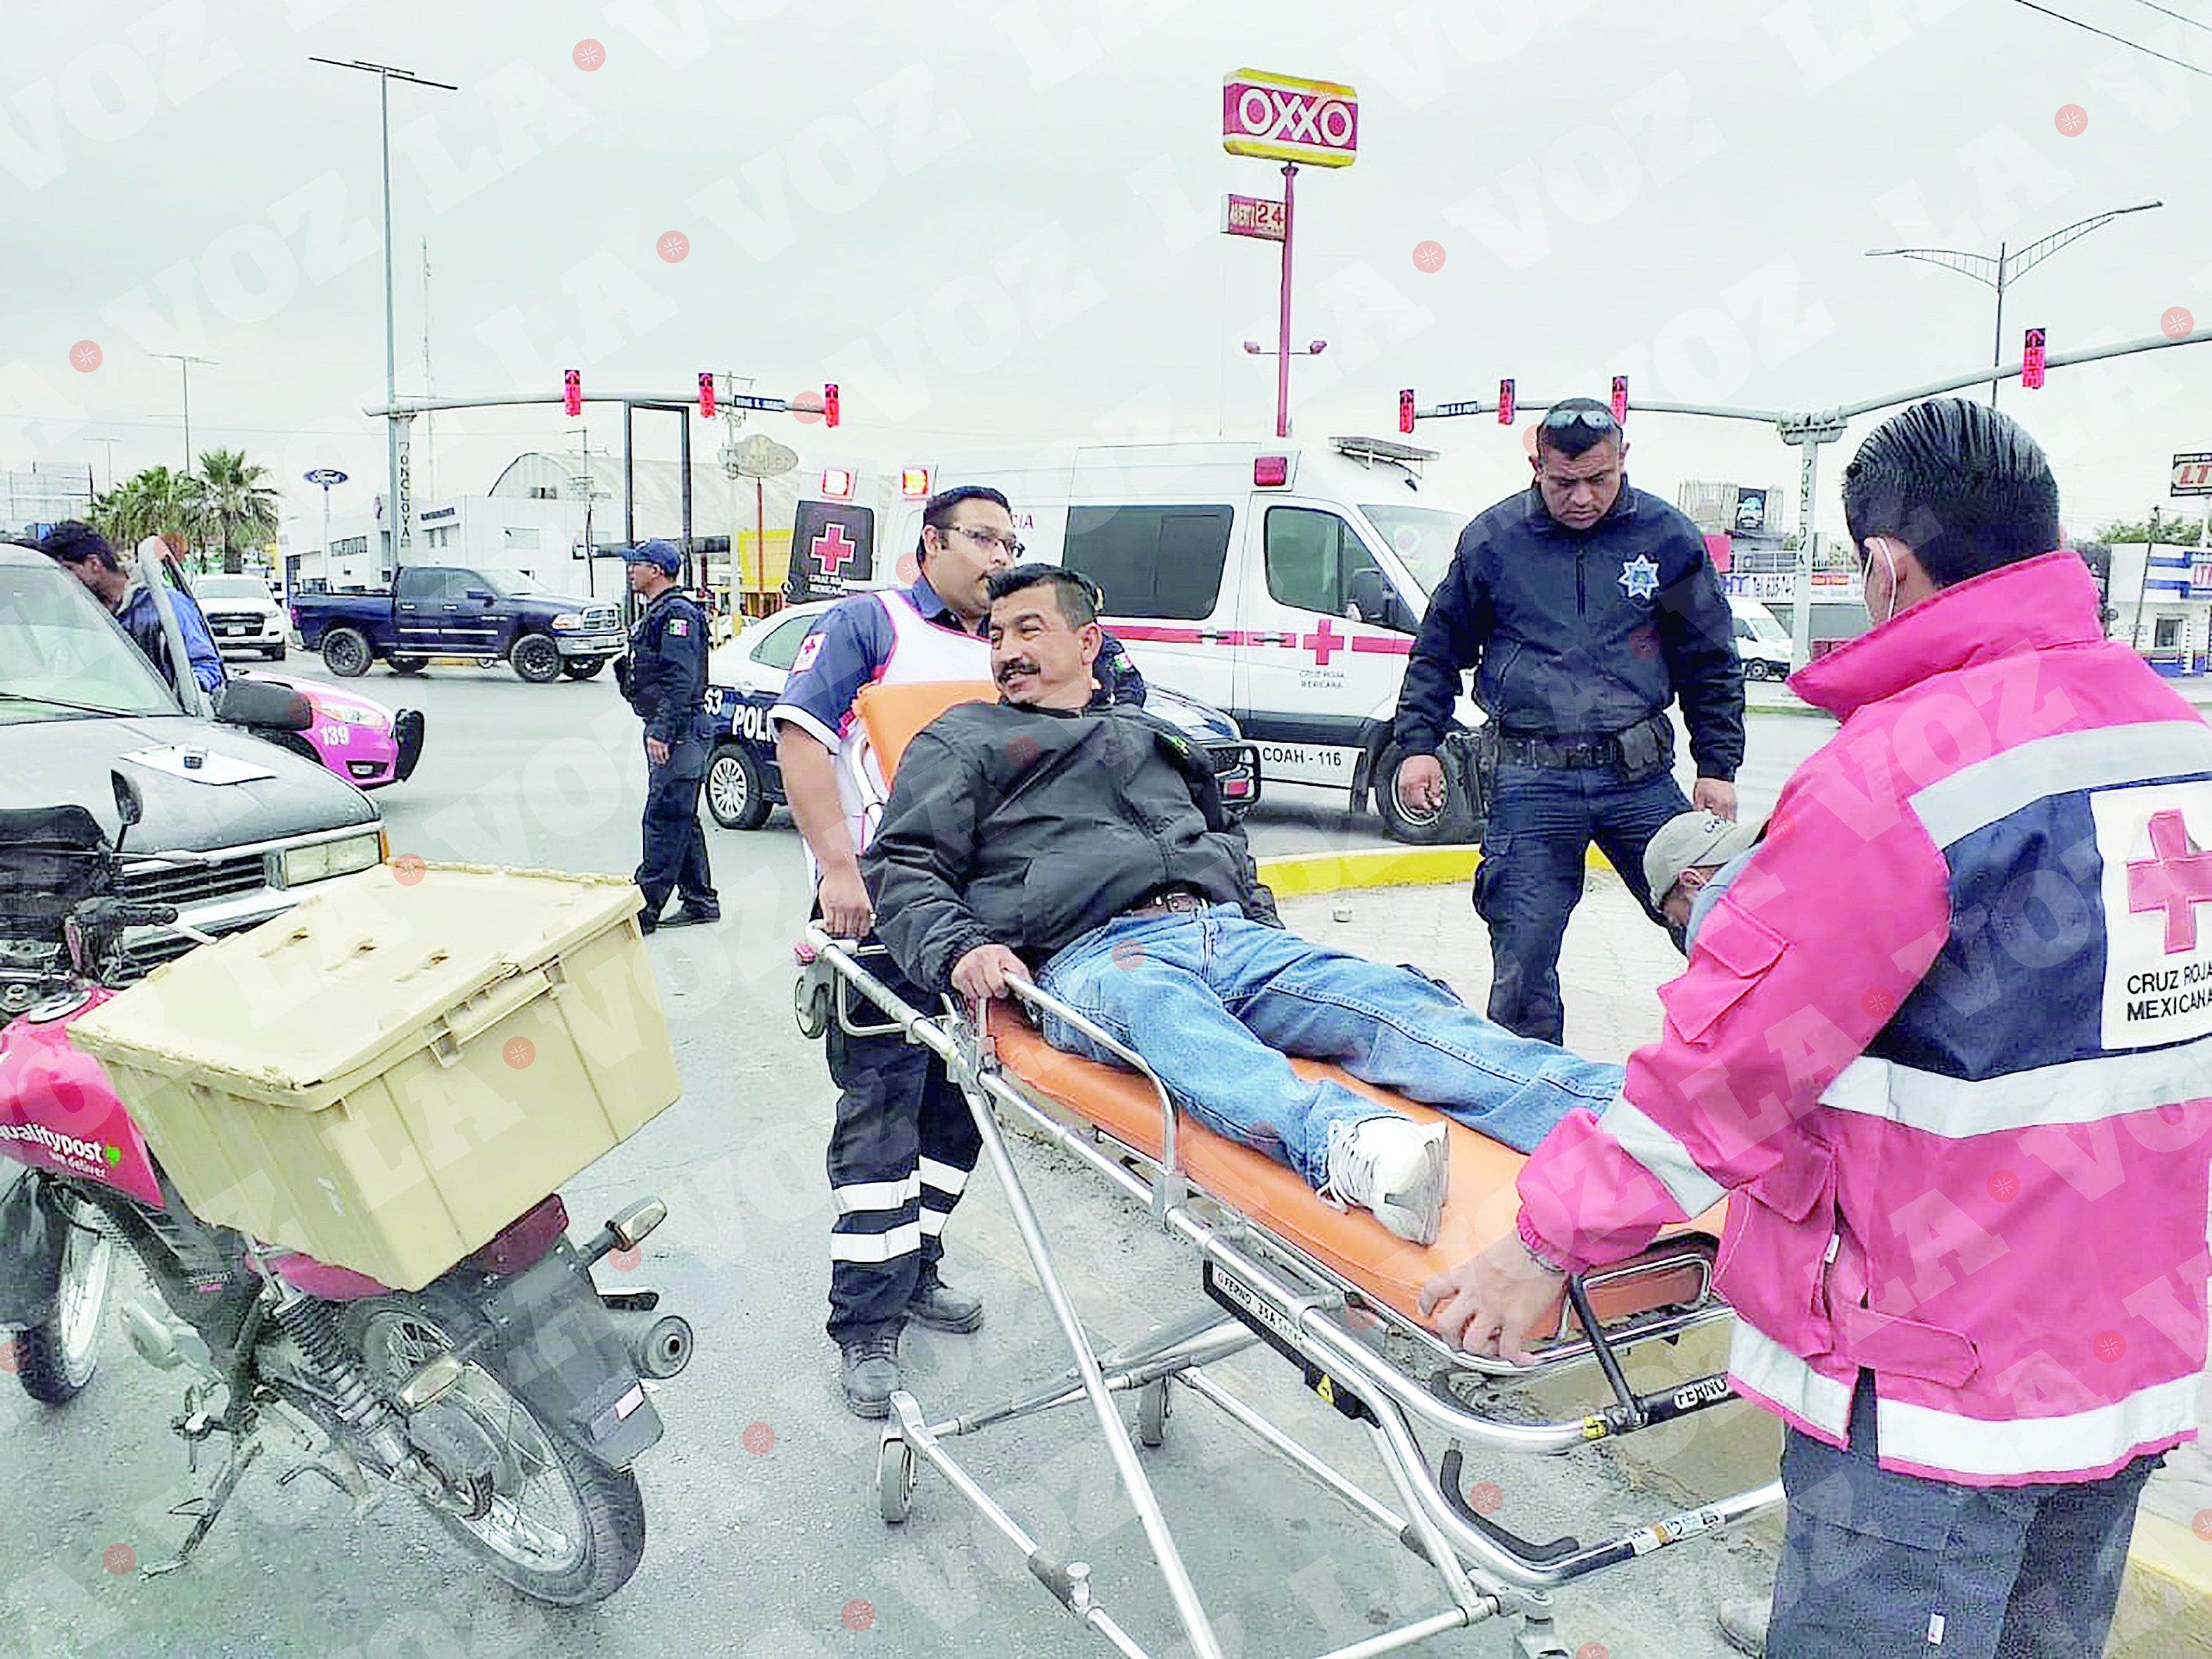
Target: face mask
(1892,564)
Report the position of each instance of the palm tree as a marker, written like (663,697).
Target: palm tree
(234,505)
(145,505)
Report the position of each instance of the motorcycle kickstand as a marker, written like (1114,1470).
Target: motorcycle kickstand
(208,1509)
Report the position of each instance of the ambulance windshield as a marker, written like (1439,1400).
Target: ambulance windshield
(1422,537)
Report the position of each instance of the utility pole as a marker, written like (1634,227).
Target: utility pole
(185,360)
(401,531)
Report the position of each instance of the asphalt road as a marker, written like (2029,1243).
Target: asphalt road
(763,1538)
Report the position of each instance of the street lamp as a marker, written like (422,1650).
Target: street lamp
(1995,273)
(184,360)
(385,74)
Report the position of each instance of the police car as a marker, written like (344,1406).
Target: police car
(745,678)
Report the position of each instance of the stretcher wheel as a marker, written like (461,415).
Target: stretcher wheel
(1153,1410)
(894,1479)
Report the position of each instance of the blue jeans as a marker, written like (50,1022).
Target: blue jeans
(1543,821)
(1214,1002)
(1878,1562)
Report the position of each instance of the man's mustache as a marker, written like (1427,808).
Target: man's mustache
(1006,671)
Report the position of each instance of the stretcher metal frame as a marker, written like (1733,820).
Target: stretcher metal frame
(1265,1291)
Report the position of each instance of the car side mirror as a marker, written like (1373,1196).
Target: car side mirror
(263,704)
(130,805)
(483,593)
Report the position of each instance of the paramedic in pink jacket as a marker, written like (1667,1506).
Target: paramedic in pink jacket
(1945,1044)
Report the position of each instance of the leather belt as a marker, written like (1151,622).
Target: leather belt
(1168,900)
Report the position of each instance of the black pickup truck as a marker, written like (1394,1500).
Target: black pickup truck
(448,610)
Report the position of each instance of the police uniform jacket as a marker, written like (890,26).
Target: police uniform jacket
(666,676)
(1577,635)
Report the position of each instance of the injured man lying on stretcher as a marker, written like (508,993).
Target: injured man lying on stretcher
(1090,850)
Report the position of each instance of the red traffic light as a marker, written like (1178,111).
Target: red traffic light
(572,394)
(1406,409)
(706,394)
(829,404)
(2031,359)
(1505,402)
(1620,399)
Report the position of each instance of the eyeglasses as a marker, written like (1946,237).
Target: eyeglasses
(1566,420)
(991,538)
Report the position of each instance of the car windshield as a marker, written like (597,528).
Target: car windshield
(61,655)
(508,584)
(1423,538)
(1764,628)
(231,587)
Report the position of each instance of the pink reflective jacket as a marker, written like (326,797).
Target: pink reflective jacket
(1948,1042)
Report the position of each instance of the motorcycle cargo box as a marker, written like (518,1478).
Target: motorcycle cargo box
(387,1074)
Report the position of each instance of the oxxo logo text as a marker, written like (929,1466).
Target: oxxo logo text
(89,1152)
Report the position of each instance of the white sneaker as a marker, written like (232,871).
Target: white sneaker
(1393,1166)
(1744,1625)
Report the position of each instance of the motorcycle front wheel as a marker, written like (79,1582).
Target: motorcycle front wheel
(557,1525)
(55,1360)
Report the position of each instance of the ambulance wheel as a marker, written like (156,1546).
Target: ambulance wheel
(735,794)
(1153,1410)
(894,1477)
(1447,825)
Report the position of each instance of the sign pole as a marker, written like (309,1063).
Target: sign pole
(1283,312)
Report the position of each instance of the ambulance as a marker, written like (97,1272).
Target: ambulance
(1280,581)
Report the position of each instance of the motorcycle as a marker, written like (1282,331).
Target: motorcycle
(507,1396)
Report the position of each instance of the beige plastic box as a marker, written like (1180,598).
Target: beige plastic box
(390,1072)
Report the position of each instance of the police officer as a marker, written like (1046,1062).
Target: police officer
(664,677)
(1586,607)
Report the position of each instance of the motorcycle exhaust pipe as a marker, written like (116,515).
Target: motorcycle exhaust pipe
(660,1345)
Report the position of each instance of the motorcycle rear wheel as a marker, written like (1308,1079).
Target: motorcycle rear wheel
(55,1360)
(559,1526)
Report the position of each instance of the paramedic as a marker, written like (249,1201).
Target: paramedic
(1088,848)
(1586,607)
(1943,1043)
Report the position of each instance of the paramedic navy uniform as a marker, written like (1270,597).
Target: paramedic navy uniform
(665,681)
(904,1144)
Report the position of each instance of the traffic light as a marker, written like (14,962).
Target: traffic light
(1406,409)
(1505,402)
(829,404)
(1620,399)
(706,395)
(2031,359)
(572,392)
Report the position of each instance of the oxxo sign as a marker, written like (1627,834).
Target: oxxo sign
(1280,117)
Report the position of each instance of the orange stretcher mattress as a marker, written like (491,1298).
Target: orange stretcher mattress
(1351,1243)
(1481,1203)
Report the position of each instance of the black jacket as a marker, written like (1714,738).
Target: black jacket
(665,675)
(1579,634)
(1027,828)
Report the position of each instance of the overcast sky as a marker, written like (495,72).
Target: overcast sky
(996,221)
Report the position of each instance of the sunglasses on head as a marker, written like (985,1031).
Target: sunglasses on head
(1566,420)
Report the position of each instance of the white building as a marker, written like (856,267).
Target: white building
(2161,598)
(541,538)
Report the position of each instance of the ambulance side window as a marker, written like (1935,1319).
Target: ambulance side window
(1151,561)
(1313,558)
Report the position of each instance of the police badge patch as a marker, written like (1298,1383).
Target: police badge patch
(679,627)
(1639,578)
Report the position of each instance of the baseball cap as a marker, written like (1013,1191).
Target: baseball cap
(1690,841)
(661,554)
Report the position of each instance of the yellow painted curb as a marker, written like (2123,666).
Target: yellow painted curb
(1296,874)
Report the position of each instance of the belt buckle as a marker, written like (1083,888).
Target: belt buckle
(1183,902)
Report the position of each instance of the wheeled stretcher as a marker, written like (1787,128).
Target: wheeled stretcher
(1332,1291)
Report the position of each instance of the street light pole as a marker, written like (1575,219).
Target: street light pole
(385,74)
(184,360)
(1994,273)
(111,443)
